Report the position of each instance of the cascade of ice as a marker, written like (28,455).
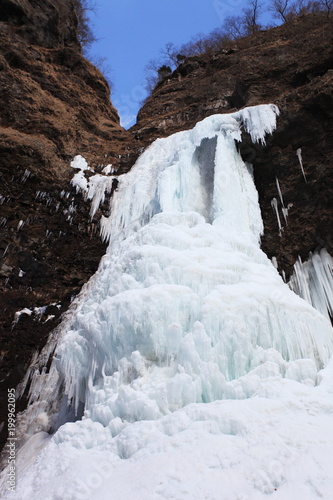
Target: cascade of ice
(184,308)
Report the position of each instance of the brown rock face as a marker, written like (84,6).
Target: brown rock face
(41,22)
(290,66)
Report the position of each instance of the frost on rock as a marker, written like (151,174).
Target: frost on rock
(192,365)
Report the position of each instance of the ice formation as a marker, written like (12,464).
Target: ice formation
(284,209)
(299,156)
(200,371)
(95,187)
(275,207)
(313,281)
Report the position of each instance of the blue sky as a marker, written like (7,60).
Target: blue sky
(131,32)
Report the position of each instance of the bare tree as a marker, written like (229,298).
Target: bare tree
(326,5)
(302,7)
(151,71)
(234,27)
(251,17)
(219,38)
(102,65)
(169,53)
(86,35)
(282,9)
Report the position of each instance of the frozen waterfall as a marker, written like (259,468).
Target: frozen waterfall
(200,372)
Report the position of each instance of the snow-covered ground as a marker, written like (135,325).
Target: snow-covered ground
(204,377)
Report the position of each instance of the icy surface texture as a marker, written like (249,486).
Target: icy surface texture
(313,281)
(201,372)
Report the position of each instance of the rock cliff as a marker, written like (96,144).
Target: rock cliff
(54,104)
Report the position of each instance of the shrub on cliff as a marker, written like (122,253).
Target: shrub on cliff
(86,35)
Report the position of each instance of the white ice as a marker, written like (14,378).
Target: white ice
(313,281)
(202,374)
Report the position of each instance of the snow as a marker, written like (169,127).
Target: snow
(36,312)
(80,163)
(18,314)
(202,375)
(95,187)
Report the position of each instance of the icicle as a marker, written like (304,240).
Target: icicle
(313,281)
(276,209)
(284,209)
(279,191)
(274,262)
(98,187)
(95,187)
(285,214)
(259,121)
(25,176)
(299,156)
